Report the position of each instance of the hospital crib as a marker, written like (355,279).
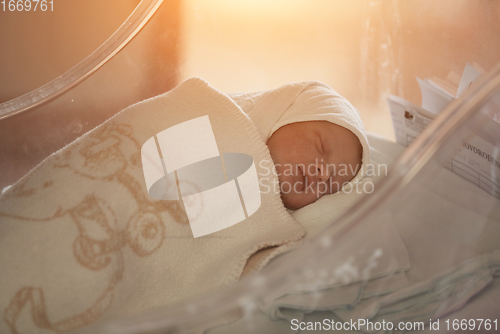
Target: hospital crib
(447,216)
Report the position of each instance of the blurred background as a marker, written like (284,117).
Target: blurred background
(364,49)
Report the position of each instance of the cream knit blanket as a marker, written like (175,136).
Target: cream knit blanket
(81,240)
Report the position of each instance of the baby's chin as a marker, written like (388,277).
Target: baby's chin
(294,201)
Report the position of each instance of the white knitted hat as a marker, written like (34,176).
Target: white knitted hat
(301,102)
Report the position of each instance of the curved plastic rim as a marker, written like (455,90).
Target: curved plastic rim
(134,23)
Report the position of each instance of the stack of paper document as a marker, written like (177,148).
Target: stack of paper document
(479,159)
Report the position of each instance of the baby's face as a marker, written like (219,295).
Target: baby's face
(313,159)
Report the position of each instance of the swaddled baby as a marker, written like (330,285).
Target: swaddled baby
(314,135)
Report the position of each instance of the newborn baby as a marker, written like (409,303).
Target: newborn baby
(315,137)
(313,159)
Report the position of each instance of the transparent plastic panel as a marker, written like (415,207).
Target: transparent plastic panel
(41,41)
(126,69)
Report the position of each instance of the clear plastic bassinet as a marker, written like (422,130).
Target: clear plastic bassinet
(445,249)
